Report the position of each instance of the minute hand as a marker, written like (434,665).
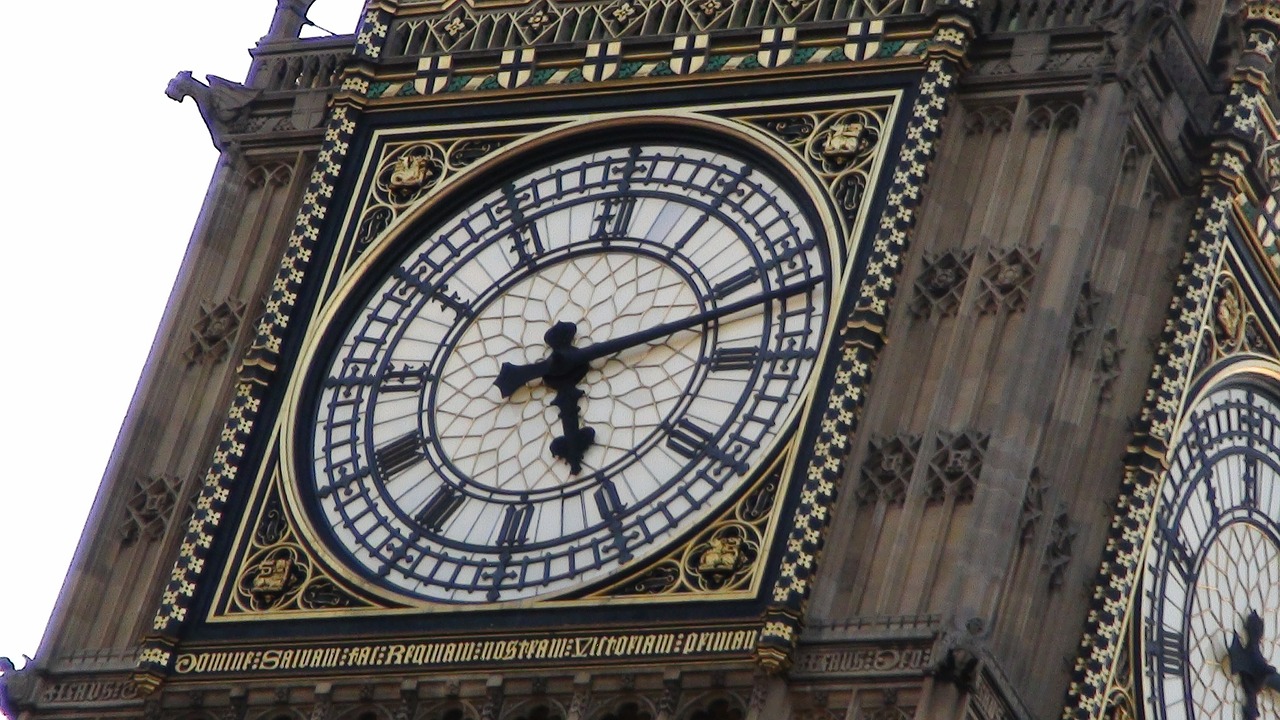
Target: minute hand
(618,344)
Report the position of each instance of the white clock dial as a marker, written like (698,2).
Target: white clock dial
(569,373)
(1214,561)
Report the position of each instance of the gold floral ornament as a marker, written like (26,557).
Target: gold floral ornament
(841,147)
(455,26)
(1229,313)
(277,573)
(722,558)
(409,170)
(537,20)
(623,12)
(408,174)
(273,576)
(844,139)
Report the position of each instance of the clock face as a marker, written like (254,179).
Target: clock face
(1214,562)
(566,375)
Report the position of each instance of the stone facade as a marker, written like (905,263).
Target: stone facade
(1059,221)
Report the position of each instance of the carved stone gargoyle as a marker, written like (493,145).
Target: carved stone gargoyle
(15,685)
(223,104)
(957,660)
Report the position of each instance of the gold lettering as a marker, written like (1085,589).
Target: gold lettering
(361,656)
(270,660)
(719,642)
(652,644)
(395,655)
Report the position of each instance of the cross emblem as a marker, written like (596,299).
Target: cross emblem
(689,53)
(433,74)
(602,61)
(776,46)
(858,41)
(515,68)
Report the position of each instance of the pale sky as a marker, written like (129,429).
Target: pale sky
(104,176)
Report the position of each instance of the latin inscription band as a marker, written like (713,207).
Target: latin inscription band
(458,653)
(862,661)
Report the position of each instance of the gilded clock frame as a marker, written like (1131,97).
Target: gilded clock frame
(751,128)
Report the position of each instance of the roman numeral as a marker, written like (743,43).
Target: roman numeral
(440,506)
(344,480)
(399,454)
(1169,651)
(688,439)
(348,382)
(734,283)
(785,259)
(1211,496)
(611,507)
(1251,481)
(450,300)
(614,221)
(526,243)
(408,378)
(1177,552)
(515,525)
(607,500)
(734,358)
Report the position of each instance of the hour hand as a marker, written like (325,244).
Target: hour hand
(563,363)
(573,444)
(512,377)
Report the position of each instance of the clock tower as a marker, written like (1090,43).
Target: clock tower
(709,360)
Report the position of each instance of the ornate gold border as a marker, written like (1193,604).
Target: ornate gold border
(344,278)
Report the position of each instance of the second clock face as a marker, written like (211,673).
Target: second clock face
(1214,561)
(567,374)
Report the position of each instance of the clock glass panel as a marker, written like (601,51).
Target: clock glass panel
(1214,562)
(567,374)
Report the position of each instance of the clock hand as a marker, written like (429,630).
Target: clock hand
(1247,661)
(562,373)
(573,444)
(567,365)
(616,345)
(512,376)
